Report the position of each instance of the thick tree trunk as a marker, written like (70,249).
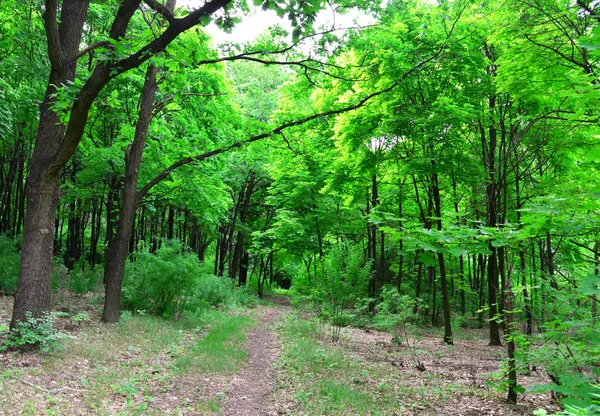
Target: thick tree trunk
(34,292)
(55,146)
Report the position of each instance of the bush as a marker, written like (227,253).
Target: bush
(173,283)
(9,265)
(571,361)
(35,332)
(340,283)
(394,312)
(163,283)
(83,281)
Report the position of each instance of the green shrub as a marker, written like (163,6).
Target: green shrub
(83,281)
(9,265)
(340,284)
(173,283)
(571,360)
(34,332)
(163,283)
(394,312)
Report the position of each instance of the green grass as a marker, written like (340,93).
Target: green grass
(327,380)
(125,369)
(220,350)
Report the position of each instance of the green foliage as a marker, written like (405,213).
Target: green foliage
(394,311)
(9,265)
(341,281)
(83,281)
(571,360)
(172,283)
(165,283)
(35,332)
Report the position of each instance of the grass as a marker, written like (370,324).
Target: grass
(143,365)
(326,380)
(329,379)
(220,350)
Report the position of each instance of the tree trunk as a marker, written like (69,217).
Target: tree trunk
(114,262)
(42,191)
(510,327)
(441,261)
(418,287)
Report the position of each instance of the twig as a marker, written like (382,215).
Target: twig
(54,391)
(89,49)
(418,364)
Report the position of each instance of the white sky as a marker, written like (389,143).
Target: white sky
(259,21)
(248,29)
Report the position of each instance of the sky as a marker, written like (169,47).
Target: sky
(260,20)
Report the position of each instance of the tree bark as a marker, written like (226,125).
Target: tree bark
(55,144)
(116,256)
(441,261)
(34,293)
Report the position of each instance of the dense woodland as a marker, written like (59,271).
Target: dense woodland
(438,166)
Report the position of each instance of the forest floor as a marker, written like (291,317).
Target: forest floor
(262,362)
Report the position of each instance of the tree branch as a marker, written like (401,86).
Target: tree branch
(89,49)
(159,44)
(158,107)
(51,27)
(278,130)
(160,9)
(556,51)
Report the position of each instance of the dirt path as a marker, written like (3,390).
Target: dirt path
(249,392)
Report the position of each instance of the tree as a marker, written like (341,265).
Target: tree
(58,138)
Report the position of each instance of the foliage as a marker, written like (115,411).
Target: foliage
(9,265)
(341,281)
(172,283)
(82,280)
(394,311)
(33,333)
(571,361)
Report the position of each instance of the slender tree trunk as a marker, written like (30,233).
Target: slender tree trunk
(434,309)
(244,269)
(510,327)
(114,262)
(481,271)
(492,270)
(371,253)
(441,261)
(418,287)
(401,243)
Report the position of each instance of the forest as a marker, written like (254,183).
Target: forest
(372,207)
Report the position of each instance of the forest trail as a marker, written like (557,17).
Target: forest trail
(249,392)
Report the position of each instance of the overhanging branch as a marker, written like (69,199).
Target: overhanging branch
(278,130)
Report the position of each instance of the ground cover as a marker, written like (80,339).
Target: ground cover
(143,365)
(368,373)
